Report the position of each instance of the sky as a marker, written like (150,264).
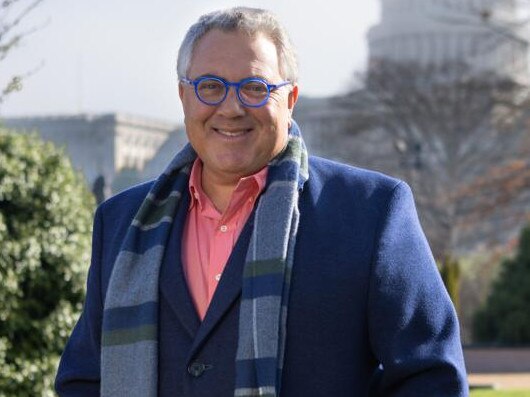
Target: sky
(102,56)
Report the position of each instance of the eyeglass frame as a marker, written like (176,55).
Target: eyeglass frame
(270,87)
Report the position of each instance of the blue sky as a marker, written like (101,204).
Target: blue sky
(108,55)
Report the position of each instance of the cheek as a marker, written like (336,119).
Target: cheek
(279,108)
(278,117)
(276,127)
(196,113)
(194,110)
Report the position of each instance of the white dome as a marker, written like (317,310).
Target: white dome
(485,33)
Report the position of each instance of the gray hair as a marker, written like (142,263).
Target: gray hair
(248,20)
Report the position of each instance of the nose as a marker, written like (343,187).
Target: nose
(231,106)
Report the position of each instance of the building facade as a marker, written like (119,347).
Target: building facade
(488,34)
(103,147)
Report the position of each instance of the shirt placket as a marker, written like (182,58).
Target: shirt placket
(223,238)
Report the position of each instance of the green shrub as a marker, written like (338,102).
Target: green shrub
(450,272)
(45,221)
(505,318)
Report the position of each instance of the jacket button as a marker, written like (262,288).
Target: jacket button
(196,369)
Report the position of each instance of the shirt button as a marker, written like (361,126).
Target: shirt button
(218,277)
(223,228)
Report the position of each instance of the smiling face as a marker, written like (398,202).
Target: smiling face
(232,140)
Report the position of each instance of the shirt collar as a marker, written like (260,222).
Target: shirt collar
(251,185)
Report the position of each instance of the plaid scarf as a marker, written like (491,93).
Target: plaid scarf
(129,345)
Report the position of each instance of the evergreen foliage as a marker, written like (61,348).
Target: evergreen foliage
(450,271)
(505,318)
(45,222)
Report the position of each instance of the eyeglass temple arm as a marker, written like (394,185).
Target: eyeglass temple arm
(276,86)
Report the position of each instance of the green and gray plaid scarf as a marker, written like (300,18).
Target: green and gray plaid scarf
(129,353)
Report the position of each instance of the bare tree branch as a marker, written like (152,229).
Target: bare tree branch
(456,126)
(11,36)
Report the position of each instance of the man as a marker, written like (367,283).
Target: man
(248,269)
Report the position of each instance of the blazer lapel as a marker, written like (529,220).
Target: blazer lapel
(229,288)
(172,284)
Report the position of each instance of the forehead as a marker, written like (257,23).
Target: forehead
(234,55)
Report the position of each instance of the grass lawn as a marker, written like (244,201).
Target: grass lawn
(500,393)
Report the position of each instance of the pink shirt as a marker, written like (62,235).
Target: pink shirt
(209,236)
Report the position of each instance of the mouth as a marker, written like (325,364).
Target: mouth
(232,133)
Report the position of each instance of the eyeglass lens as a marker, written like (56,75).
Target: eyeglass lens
(213,91)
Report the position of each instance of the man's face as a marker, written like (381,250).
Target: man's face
(233,140)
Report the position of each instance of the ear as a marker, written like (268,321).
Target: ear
(293,97)
(181,90)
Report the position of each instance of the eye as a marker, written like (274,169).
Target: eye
(210,86)
(255,88)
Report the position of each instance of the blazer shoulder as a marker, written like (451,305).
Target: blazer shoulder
(126,202)
(334,175)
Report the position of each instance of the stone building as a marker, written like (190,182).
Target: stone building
(111,150)
(487,34)
(333,128)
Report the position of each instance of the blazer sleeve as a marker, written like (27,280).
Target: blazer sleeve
(413,327)
(79,368)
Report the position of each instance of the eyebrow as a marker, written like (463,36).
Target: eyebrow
(219,77)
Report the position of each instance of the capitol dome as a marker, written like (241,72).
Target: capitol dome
(488,34)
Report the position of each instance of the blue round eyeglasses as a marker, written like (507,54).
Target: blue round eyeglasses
(252,92)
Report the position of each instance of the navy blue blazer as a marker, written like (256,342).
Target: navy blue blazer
(368,313)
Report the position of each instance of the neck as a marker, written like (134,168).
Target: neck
(218,189)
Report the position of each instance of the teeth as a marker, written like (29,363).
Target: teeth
(231,133)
